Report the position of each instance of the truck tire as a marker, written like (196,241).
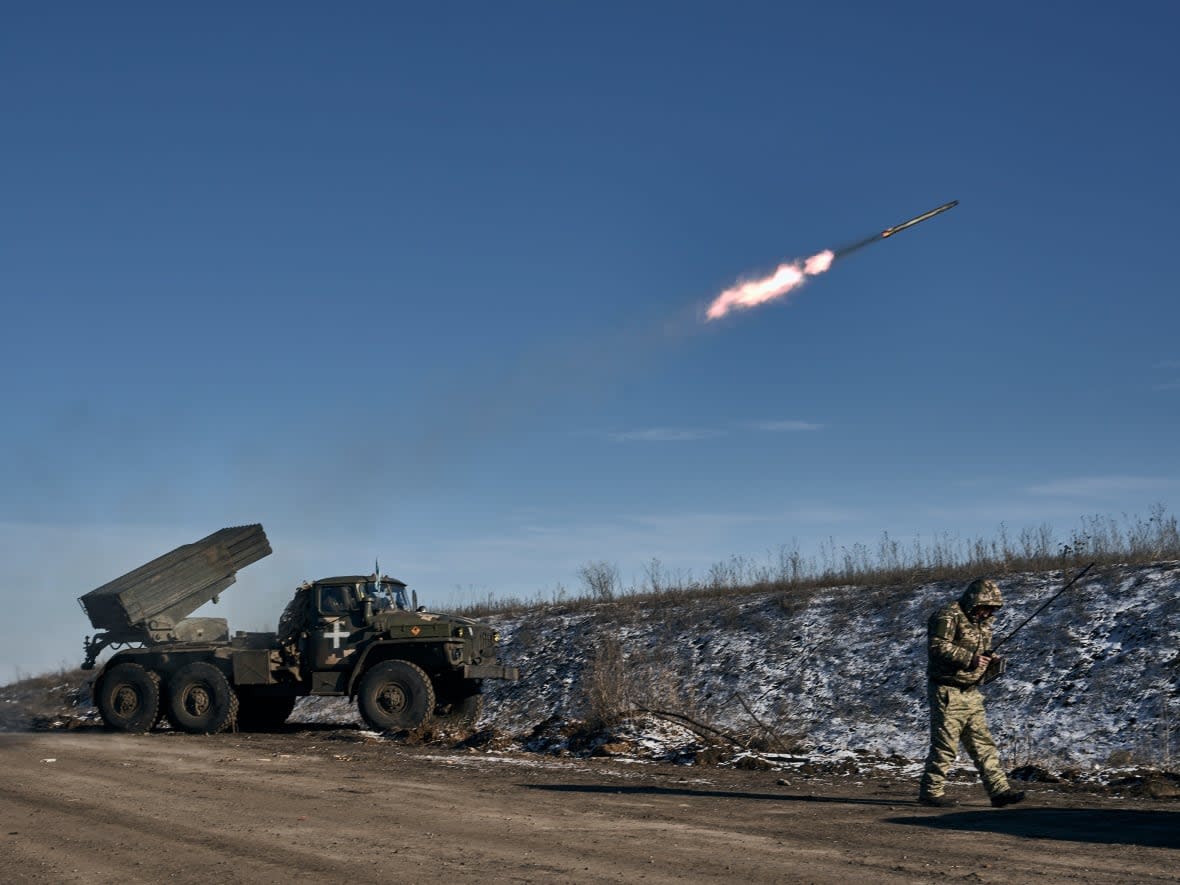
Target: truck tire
(200,700)
(395,696)
(263,712)
(128,698)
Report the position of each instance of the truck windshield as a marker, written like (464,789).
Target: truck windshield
(387,596)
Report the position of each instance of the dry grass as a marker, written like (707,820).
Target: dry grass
(945,557)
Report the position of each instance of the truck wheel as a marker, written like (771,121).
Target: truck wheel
(461,712)
(200,700)
(395,696)
(263,712)
(128,698)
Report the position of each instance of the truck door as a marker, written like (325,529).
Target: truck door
(339,618)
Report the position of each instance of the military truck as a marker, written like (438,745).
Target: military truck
(358,636)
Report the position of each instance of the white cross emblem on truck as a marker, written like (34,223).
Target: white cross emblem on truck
(339,631)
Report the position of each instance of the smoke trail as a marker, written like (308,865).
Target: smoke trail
(787,277)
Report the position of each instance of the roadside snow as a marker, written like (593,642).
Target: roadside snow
(1093,679)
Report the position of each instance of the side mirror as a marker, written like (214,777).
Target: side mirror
(414,596)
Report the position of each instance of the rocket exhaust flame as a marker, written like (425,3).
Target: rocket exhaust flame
(790,276)
(754,292)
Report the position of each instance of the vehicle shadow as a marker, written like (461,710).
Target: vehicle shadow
(609,789)
(1115,826)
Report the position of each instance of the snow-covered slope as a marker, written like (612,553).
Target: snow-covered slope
(1093,680)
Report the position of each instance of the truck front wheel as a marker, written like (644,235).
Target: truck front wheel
(200,700)
(395,696)
(128,698)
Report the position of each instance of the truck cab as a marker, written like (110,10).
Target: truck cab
(361,636)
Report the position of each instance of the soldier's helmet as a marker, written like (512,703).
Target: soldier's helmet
(982,591)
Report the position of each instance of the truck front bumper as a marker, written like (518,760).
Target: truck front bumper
(490,671)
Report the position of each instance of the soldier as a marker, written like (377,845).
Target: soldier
(295,619)
(960,640)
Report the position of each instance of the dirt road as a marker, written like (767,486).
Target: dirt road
(334,806)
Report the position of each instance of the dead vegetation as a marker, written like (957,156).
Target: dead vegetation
(888,565)
(52,700)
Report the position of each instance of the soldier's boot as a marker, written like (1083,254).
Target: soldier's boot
(936,801)
(1008,797)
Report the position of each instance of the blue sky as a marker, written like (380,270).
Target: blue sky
(425,283)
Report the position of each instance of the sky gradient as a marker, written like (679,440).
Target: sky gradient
(426,284)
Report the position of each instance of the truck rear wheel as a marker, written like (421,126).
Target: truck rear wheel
(395,696)
(128,698)
(200,700)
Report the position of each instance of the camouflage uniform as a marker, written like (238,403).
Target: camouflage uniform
(293,622)
(956,705)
